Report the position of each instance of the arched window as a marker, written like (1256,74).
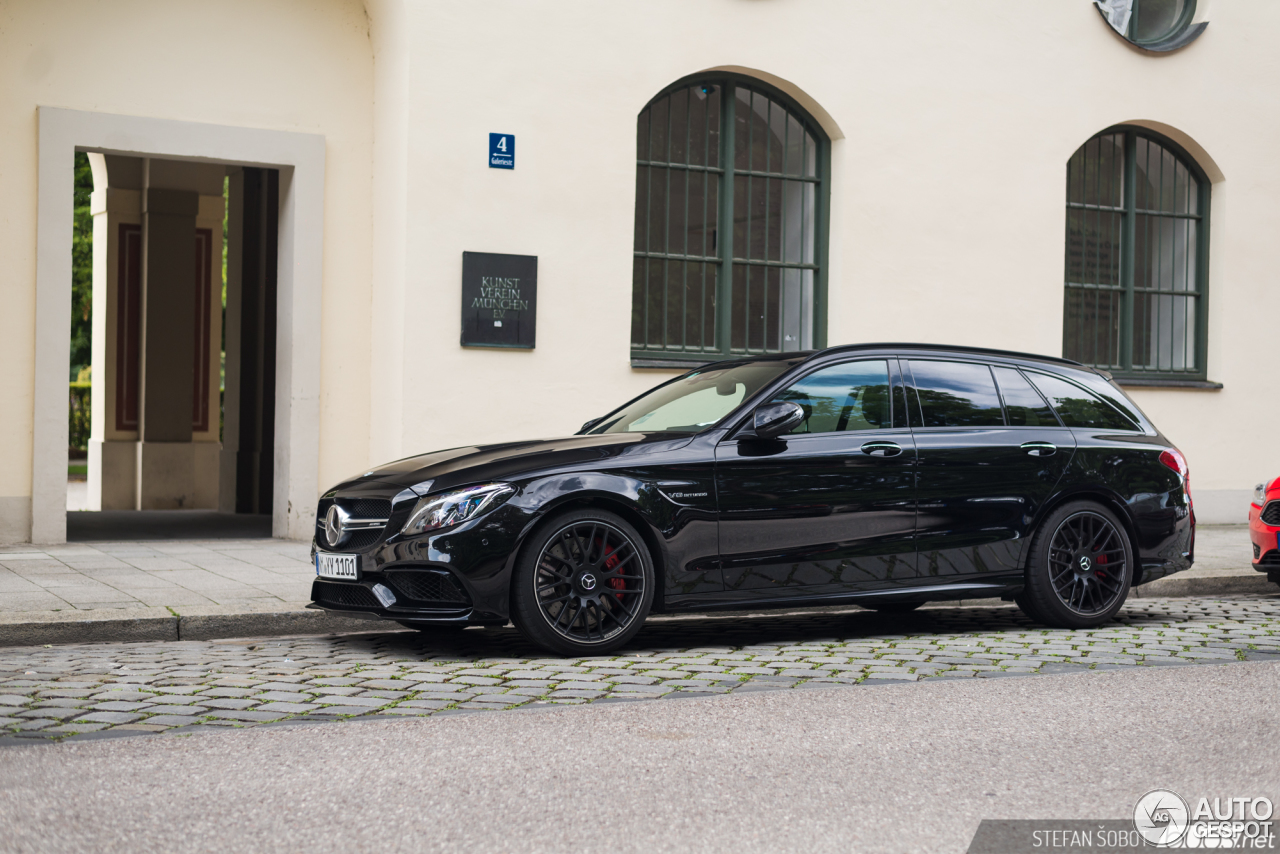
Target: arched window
(1137,257)
(730,228)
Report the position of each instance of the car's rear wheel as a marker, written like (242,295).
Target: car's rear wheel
(1080,569)
(583,584)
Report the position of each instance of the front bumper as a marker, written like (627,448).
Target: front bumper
(1266,542)
(458,576)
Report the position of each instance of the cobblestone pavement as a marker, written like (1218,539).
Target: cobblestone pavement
(98,690)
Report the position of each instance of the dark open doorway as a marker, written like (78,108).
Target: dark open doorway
(184,355)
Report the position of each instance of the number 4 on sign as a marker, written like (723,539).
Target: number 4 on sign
(502,151)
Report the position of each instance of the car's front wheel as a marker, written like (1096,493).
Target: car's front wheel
(583,583)
(1080,569)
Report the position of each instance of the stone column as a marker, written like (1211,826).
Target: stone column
(117,294)
(166,465)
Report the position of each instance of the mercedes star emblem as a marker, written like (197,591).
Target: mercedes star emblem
(588,582)
(335,525)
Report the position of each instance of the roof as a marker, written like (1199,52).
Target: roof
(988,351)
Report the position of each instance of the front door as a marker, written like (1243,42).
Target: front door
(983,477)
(830,507)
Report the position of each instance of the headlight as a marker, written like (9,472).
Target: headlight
(450,508)
(1260,494)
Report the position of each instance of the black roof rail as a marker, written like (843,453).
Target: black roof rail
(806,355)
(900,345)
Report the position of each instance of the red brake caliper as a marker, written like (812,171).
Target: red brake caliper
(1102,560)
(611,561)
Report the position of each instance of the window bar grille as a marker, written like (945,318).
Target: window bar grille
(684,233)
(765,266)
(666,221)
(1127,237)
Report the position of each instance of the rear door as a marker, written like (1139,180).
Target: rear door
(830,507)
(982,476)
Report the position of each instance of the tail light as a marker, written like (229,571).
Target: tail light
(1175,461)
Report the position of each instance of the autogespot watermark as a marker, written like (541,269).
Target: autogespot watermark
(1164,820)
(1161,819)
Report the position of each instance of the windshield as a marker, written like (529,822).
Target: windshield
(694,402)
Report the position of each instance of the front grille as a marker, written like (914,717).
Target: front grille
(343,595)
(358,541)
(1271,513)
(358,508)
(428,586)
(366,508)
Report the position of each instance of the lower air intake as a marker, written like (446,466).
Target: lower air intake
(428,586)
(344,595)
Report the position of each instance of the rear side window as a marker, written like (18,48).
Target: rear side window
(849,396)
(1080,408)
(956,394)
(1113,396)
(1022,403)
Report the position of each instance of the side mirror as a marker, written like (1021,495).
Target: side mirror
(774,419)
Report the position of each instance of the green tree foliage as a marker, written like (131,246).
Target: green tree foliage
(81,269)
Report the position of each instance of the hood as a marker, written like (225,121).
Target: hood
(515,460)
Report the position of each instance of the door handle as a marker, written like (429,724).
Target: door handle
(1040,449)
(882,449)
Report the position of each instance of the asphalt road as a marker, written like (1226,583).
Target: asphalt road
(907,767)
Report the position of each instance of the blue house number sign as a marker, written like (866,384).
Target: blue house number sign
(502,151)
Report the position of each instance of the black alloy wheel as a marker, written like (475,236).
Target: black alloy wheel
(583,584)
(1081,568)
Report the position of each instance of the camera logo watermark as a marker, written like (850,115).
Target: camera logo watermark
(1161,817)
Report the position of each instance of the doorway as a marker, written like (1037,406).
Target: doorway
(184,265)
(272,473)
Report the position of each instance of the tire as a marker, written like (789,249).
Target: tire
(1072,579)
(583,584)
(891,607)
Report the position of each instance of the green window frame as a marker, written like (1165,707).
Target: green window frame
(732,205)
(1137,258)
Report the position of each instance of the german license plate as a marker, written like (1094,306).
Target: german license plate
(336,566)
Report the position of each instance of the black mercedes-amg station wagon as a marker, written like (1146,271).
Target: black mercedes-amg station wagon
(883,475)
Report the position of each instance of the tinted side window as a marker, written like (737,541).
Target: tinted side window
(1113,396)
(1023,404)
(957,394)
(1079,408)
(849,396)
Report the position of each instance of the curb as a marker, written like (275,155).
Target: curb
(1221,585)
(180,628)
(69,628)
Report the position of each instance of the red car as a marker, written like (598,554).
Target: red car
(1264,529)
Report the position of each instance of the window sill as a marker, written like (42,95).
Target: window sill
(1153,382)
(681,364)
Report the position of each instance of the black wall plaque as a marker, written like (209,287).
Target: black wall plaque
(499,300)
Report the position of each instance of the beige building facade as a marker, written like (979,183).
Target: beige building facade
(937,209)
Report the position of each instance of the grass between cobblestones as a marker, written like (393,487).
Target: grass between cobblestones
(102,690)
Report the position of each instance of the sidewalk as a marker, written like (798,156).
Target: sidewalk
(206,589)
(158,590)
